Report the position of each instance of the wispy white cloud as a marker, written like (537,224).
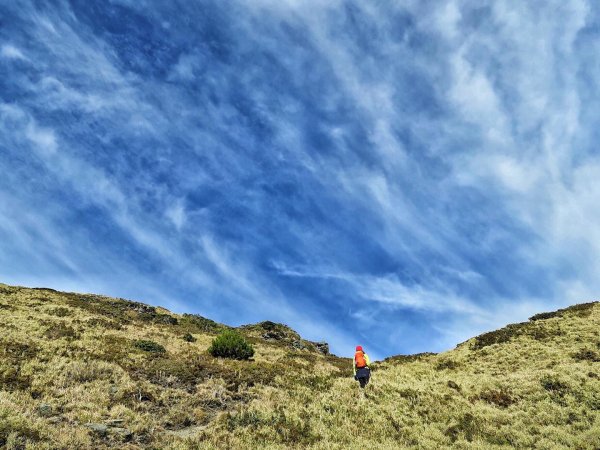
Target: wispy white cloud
(11,52)
(439,161)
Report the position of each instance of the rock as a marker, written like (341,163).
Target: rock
(115,422)
(299,345)
(113,390)
(166,319)
(453,385)
(44,410)
(273,335)
(188,432)
(189,338)
(323,347)
(99,428)
(123,434)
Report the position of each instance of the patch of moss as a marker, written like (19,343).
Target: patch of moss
(544,316)
(498,336)
(60,330)
(502,397)
(101,322)
(506,334)
(189,338)
(149,346)
(447,364)
(12,357)
(60,312)
(554,385)
(586,354)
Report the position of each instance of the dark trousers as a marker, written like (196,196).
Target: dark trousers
(363,375)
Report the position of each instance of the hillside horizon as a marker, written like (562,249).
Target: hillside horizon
(425,351)
(87,371)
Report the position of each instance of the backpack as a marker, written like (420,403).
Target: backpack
(359,359)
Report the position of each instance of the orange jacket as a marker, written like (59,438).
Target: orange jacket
(366,357)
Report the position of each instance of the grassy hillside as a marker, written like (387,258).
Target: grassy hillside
(85,371)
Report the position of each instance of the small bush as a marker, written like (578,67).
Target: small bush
(61,330)
(499,397)
(544,316)
(540,333)
(12,356)
(231,344)
(60,312)
(189,338)
(103,323)
(447,364)
(554,385)
(149,346)
(453,385)
(580,310)
(165,319)
(498,336)
(586,355)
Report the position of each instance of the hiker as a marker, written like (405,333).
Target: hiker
(362,373)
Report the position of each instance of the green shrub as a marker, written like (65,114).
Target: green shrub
(579,310)
(554,385)
(498,336)
(60,312)
(60,330)
(585,354)
(149,346)
(447,364)
(231,344)
(544,316)
(189,338)
(502,397)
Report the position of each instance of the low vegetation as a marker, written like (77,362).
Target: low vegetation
(86,371)
(231,344)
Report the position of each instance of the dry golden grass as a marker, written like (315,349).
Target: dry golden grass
(68,360)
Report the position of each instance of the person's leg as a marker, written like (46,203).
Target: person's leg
(363,382)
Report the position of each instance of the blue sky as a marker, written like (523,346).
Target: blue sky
(403,175)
